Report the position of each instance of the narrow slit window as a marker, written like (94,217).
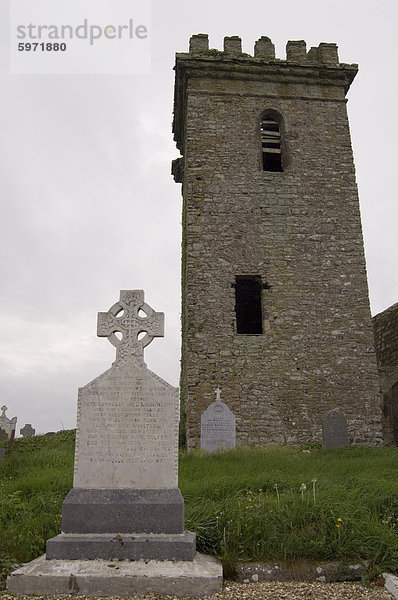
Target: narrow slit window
(248,305)
(271,145)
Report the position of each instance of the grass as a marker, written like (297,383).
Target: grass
(34,480)
(252,505)
(243,504)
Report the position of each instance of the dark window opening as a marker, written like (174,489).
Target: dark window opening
(271,145)
(248,305)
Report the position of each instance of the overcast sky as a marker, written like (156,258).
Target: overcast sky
(88,206)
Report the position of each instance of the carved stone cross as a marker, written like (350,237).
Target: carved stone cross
(134,321)
(27,431)
(3,411)
(218,394)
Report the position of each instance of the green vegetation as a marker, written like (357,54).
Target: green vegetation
(243,504)
(293,504)
(34,480)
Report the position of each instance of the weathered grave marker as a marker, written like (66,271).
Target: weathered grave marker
(6,425)
(2,452)
(335,433)
(27,431)
(218,426)
(125,504)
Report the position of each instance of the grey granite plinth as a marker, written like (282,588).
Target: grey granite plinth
(69,546)
(123,510)
(200,577)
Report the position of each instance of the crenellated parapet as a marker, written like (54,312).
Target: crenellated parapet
(316,72)
(264,49)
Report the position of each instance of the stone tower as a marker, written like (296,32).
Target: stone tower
(275,307)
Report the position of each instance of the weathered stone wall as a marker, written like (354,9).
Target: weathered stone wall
(299,230)
(385,326)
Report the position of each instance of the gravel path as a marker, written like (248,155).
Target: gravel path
(263,591)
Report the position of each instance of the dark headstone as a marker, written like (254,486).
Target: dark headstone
(2,452)
(335,433)
(3,435)
(218,427)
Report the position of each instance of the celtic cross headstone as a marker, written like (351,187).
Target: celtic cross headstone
(136,323)
(125,480)
(27,431)
(127,417)
(125,509)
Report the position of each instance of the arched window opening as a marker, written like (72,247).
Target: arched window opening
(271,144)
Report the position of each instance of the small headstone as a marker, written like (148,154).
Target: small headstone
(335,432)
(7,425)
(27,431)
(218,426)
(125,504)
(2,452)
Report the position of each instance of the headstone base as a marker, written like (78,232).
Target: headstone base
(199,577)
(143,546)
(123,511)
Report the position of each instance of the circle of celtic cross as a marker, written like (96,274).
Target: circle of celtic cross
(135,331)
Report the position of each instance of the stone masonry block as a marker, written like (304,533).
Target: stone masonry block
(296,51)
(264,48)
(327,54)
(123,511)
(233,44)
(118,546)
(199,43)
(312,54)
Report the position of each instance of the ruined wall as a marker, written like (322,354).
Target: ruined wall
(299,230)
(385,326)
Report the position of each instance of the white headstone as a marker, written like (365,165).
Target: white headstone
(218,426)
(127,418)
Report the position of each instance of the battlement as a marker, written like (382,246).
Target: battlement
(316,73)
(264,49)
